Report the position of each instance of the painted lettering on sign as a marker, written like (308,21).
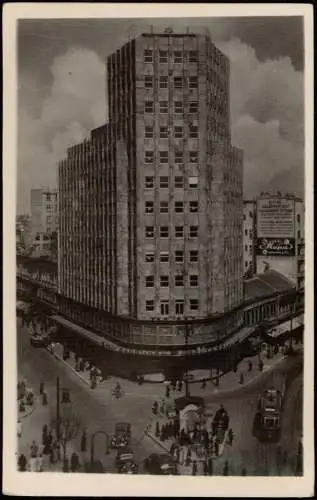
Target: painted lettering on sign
(275,246)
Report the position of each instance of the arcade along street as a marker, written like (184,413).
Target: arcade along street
(99,411)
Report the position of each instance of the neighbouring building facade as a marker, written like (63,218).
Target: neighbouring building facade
(249,232)
(44,220)
(23,234)
(151,205)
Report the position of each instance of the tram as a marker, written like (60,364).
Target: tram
(267,422)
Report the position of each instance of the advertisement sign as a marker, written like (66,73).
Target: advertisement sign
(275,246)
(275,218)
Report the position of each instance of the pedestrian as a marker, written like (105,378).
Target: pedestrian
(22,462)
(203,385)
(241,378)
(172,448)
(188,457)
(83,442)
(19,429)
(226,469)
(167,391)
(162,407)
(157,429)
(230,437)
(65,465)
(34,449)
(40,463)
(44,435)
(155,407)
(194,469)
(41,388)
(180,385)
(74,462)
(243,472)
(44,399)
(178,454)
(261,365)
(250,366)
(216,447)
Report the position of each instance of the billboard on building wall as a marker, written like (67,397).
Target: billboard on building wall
(275,227)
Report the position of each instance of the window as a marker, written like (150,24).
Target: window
(163,82)
(178,57)
(149,156)
(179,157)
(193,280)
(149,257)
(178,132)
(298,217)
(179,207)
(164,231)
(193,156)
(193,56)
(164,182)
(178,82)
(179,181)
(179,256)
(193,206)
(164,281)
(193,131)
(178,107)
(149,305)
(163,107)
(163,207)
(149,281)
(148,107)
(148,56)
(193,107)
(149,232)
(193,182)
(194,304)
(193,82)
(163,56)
(148,132)
(179,307)
(179,280)
(164,308)
(298,235)
(193,231)
(148,82)
(193,256)
(164,257)
(179,231)
(246,232)
(149,182)
(163,156)
(149,207)
(163,132)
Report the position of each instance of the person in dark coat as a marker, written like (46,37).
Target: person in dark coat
(250,366)
(194,470)
(44,399)
(44,435)
(41,388)
(226,469)
(167,391)
(22,462)
(210,467)
(261,365)
(230,437)
(83,442)
(217,448)
(74,462)
(157,429)
(205,468)
(155,407)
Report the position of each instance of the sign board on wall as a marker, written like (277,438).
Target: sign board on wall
(275,246)
(275,218)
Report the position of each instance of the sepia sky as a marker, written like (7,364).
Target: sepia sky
(62,92)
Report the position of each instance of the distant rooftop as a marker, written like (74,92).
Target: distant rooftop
(265,284)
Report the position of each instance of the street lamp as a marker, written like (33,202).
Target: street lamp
(65,399)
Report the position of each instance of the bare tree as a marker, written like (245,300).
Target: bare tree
(69,427)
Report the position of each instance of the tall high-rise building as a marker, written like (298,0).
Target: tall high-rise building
(151,205)
(249,232)
(44,219)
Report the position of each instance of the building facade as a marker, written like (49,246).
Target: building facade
(151,204)
(249,233)
(44,220)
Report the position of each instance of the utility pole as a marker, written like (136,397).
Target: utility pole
(187,394)
(57,409)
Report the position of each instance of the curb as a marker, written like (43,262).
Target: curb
(59,358)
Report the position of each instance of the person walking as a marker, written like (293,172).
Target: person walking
(210,466)
(226,469)
(230,437)
(40,463)
(205,468)
(19,429)
(194,469)
(167,391)
(34,449)
(74,462)
(83,442)
(41,388)
(22,463)
(44,435)
(250,366)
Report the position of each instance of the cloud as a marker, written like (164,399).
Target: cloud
(75,104)
(267,117)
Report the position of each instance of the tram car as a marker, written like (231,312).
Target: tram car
(267,422)
(122,435)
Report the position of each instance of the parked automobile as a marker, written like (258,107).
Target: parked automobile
(40,340)
(122,435)
(125,462)
(162,464)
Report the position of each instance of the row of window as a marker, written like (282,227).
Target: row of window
(163,134)
(178,56)
(178,82)
(178,182)
(165,233)
(164,207)
(179,306)
(178,256)
(178,280)
(178,107)
(178,156)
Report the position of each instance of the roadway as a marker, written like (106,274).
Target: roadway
(99,411)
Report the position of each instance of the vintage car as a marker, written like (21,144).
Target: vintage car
(125,463)
(122,435)
(267,423)
(171,410)
(163,465)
